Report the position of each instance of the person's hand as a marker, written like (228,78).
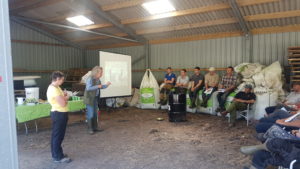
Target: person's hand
(294,132)
(67,97)
(108,83)
(192,89)
(99,86)
(293,112)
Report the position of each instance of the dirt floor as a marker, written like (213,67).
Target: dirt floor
(134,139)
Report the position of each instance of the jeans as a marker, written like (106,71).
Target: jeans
(266,122)
(264,127)
(222,96)
(92,110)
(272,109)
(233,108)
(205,97)
(59,125)
(280,153)
(193,95)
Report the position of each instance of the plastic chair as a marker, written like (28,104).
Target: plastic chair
(243,113)
(291,165)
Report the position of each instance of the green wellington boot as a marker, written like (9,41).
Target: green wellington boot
(249,150)
(95,125)
(90,126)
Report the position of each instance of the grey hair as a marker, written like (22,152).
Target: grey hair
(96,70)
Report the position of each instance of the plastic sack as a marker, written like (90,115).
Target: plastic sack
(149,91)
(270,77)
(85,77)
(247,70)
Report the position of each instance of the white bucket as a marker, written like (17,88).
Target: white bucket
(32,93)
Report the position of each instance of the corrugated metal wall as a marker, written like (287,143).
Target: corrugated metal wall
(223,52)
(268,48)
(41,57)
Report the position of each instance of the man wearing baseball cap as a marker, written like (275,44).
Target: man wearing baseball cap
(240,102)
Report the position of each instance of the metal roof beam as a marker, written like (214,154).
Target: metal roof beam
(235,7)
(91,5)
(21,21)
(70,27)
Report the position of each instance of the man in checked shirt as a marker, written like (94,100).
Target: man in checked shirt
(227,86)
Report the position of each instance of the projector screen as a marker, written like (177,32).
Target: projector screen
(117,70)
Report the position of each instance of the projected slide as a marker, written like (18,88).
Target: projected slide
(117,70)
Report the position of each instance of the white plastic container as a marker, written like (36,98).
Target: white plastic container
(264,100)
(32,93)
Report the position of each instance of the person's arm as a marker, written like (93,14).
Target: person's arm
(295,123)
(165,80)
(216,82)
(221,85)
(206,82)
(206,86)
(89,85)
(192,86)
(199,84)
(245,101)
(62,100)
(172,80)
(177,82)
(106,85)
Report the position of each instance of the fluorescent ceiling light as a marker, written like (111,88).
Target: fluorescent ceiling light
(80,20)
(158,6)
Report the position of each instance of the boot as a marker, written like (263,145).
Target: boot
(249,150)
(95,125)
(90,126)
(204,103)
(251,167)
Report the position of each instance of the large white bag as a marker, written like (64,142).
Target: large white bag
(149,91)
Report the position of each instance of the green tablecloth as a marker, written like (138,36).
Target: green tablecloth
(26,113)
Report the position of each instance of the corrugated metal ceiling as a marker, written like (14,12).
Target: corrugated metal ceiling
(65,8)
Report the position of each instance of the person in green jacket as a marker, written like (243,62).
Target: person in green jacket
(91,97)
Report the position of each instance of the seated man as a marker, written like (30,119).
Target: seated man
(169,82)
(266,122)
(227,86)
(240,102)
(211,85)
(292,99)
(276,152)
(197,82)
(288,125)
(182,82)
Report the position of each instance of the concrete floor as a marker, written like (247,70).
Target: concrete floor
(134,139)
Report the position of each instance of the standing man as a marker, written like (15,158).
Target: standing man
(211,85)
(197,83)
(169,82)
(227,86)
(182,82)
(59,116)
(240,102)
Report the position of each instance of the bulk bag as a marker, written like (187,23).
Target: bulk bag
(149,91)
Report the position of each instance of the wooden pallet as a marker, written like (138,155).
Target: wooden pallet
(294,61)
